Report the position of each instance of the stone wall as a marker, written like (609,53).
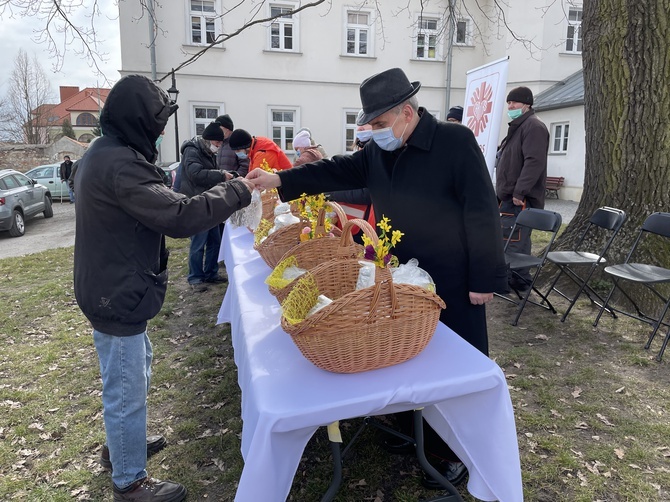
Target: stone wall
(25,157)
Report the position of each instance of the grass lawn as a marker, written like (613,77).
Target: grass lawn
(592,406)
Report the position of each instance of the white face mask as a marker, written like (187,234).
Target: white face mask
(386,139)
(213,148)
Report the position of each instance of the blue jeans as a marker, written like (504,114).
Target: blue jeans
(204,245)
(125,366)
(71,194)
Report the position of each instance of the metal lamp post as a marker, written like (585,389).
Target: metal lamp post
(174,93)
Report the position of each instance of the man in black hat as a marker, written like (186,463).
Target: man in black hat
(431,180)
(521,170)
(455,114)
(198,174)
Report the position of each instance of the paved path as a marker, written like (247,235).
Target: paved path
(566,208)
(42,233)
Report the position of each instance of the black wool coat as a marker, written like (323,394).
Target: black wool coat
(437,190)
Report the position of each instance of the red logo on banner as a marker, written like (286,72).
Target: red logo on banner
(480,107)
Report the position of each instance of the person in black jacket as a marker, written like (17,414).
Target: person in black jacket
(430,179)
(65,171)
(199,173)
(120,267)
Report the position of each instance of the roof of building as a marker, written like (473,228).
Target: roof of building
(563,94)
(90,99)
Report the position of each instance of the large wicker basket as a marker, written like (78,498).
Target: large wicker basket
(365,329)
(311,253)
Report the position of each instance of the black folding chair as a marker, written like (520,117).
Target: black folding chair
(604,224)
(643,274)
(534,219)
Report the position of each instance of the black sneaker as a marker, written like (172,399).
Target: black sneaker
(154,445)
(151,490)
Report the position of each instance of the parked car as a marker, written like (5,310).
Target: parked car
(49,176)
(170,172)
(21,198)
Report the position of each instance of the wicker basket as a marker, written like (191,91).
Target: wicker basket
(275,246)
(269,200)
(365,329)
(311,253)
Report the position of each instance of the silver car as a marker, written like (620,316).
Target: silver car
(21,198)
(49,176)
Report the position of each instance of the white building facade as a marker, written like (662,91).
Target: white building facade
(303,69)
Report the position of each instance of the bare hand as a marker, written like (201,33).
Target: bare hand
(250,186)
(480,298)
(263,180)
(517,202)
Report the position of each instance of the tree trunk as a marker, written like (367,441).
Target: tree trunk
(627,119)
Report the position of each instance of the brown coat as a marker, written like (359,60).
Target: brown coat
(521,170)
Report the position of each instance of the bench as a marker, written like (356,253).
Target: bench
(554,184)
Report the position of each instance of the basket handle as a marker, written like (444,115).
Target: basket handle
(382,279)
(341,215)
(347,238)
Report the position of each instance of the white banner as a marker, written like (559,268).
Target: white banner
(484,106)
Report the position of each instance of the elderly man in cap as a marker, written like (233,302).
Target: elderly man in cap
(258,149)
(199,173)
(430,179)
(521,170)
(226,160)
(455,114)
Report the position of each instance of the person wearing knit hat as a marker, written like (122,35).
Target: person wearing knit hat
(455,114)
(521,171)
(258,150)
(225,121)
(199,173)
(213,132)
(305,150)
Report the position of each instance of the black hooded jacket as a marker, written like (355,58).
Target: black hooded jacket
(123,211)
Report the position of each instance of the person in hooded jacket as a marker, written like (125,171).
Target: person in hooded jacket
(120,267)
(199,173)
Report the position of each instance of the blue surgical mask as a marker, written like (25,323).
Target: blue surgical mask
(385,138)
(514,114)
(297,153)
(159,141)
(242,155)
(364,135)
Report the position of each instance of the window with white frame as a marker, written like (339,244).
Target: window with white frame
(283,123)
(426,39)
(358,33)
(559,137)
(283,31)
(463,32)
(573,40)
(350,130)
(203,115)
(204,22)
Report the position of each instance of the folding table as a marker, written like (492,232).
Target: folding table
(285,398)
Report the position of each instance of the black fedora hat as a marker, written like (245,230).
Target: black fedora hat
(383,91)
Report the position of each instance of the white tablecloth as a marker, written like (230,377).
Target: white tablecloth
(285,398)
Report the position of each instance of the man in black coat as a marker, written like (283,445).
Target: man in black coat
(431,180)
(65,172)
(120,267)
